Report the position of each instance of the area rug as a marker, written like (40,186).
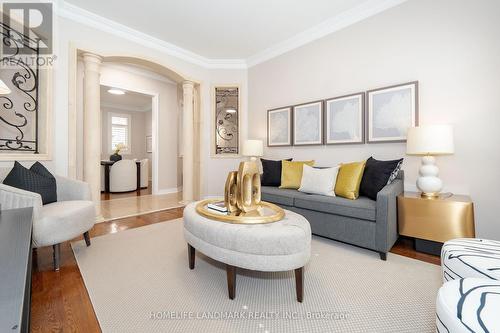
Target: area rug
(139,281)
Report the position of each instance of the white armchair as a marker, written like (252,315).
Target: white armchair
(72,215)
(144,173)
(123,176)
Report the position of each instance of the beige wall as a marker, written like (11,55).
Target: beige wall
(451,46)
(137,133)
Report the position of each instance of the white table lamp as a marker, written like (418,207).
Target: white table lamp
(4,90)
(428,141)
(253,149)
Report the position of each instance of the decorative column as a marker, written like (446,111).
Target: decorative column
(92,126)
(187,138)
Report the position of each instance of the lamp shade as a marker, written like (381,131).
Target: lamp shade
(253,148)
(4,90)
(430,140)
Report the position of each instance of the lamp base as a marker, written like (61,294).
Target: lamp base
(429,195)
(428,181)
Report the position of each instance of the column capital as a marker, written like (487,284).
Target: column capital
(92,61)
(92,57)
(187,85)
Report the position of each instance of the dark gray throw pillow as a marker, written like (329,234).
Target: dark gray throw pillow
(377,174)
(36,179)
(271,172)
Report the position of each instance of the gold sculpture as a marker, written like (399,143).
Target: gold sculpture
(242,193)
(242,198)
(230,191)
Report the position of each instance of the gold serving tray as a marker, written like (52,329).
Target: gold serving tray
(265,213)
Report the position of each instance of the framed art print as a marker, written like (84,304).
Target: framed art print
(279,127)
(308,124)
(344,118)
(391,111)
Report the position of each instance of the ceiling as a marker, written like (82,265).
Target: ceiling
(231,29)
(131,101)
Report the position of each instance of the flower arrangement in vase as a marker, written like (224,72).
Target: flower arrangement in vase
(116,156)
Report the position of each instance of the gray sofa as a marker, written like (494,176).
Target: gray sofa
(362,222)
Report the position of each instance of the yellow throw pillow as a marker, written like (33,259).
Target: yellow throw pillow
(349,179)
(291,173)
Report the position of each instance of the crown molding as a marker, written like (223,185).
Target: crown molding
(364,10)
(336,23)
(90,19)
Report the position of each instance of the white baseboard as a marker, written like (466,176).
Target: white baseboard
(169,190)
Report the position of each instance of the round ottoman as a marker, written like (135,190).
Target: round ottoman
(470,257)
(278,246)
(468,305)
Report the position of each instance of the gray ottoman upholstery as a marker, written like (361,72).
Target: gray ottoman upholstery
(470,257)
(468,305)
(279,246)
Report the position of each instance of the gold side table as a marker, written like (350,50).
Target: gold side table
(434,221)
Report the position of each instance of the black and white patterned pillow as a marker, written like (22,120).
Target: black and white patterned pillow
(395,172)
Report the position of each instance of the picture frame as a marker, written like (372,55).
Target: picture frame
(391,111)
(345,119)
(279,127)
(308,124)
(149,144)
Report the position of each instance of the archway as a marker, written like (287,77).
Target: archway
(188,90)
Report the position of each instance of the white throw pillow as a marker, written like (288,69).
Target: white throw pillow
(319,181)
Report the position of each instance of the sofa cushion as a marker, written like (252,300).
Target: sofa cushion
(291,173)
(63,220)
(349,179)
(278,196)
(34,181)
(378,174)
(271,172)
(361,208)
(319,181)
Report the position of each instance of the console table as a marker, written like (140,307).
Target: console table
(15,269)
(433,221)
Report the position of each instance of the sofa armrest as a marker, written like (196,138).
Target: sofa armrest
(387,216)
(70,189)
(12,198)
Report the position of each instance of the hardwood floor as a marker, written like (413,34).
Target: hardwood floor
(142,191)
(60,302)
(404,247)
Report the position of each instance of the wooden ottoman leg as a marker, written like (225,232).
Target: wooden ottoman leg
(231,281)
(299,283)
(191,255)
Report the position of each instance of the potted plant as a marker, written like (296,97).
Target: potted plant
(116,156)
